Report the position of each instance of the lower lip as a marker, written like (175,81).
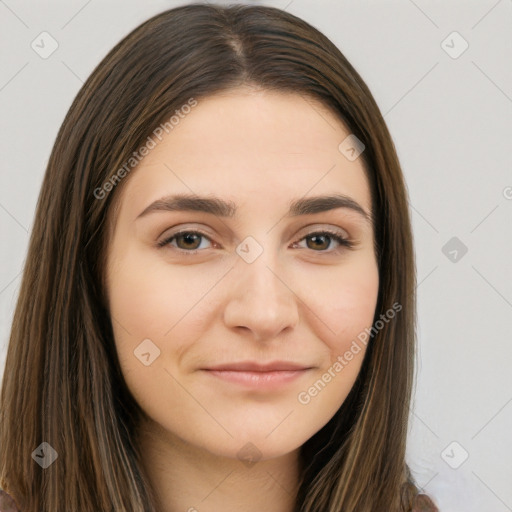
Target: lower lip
(260,380)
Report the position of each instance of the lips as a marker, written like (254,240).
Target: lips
(253,366)
(258,377)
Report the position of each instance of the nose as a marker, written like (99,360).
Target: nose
(261,301)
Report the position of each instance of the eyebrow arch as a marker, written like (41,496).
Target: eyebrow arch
(221,208)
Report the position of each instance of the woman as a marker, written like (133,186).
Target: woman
(271,365)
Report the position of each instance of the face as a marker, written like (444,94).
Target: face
(253,284)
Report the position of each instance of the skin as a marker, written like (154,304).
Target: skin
(297,301)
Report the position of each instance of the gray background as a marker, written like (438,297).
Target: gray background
(451,119)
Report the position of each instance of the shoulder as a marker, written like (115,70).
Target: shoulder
(7,504)
(422,503)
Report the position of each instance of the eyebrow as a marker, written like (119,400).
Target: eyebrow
(222,208)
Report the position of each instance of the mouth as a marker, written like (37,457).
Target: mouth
(254,366)
(261,376)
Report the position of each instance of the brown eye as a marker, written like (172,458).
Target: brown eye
(186,241)
(321,242)
(324,240)
(189,240)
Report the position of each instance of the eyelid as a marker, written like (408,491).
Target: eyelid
(318,228)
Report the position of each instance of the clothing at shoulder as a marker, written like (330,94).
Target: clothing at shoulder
(7,504)
(422,503)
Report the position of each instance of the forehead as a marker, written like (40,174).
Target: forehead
(249,146)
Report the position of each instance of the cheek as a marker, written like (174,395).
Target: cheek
(158,302)
(354,306)
(137,297)
(166,306)
(344,301)
(344,305)
(347,296)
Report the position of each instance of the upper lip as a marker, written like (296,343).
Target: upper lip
(252,366)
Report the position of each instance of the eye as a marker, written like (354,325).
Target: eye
(186,241)
(322,240)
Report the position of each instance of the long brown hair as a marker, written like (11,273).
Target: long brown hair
(62,382)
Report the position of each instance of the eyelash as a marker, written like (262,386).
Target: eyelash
(343,242)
